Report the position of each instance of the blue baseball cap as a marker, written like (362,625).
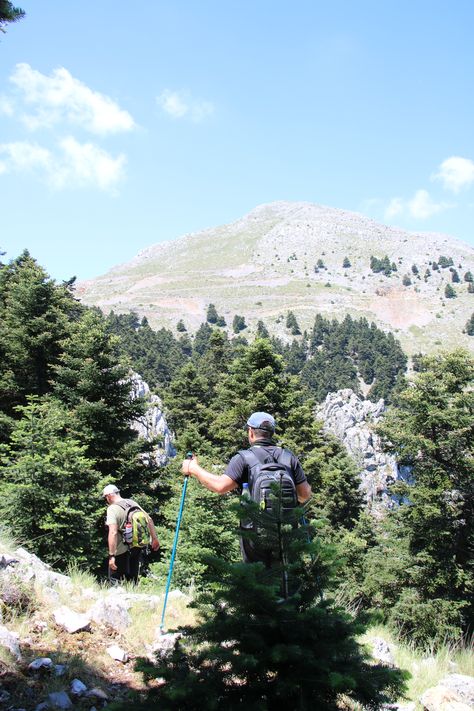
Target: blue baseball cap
(261,421)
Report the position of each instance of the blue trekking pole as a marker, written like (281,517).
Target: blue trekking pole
(189,455)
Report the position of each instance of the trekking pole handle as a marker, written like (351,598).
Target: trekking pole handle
(189,455)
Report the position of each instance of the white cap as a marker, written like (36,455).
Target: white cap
(110,489)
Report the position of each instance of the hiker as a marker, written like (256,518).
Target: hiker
(124,560)
(261,428)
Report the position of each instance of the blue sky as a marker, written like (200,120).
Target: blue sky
(123,124)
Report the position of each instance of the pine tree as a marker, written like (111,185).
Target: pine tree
(35,315)
(455,276)
(449,292)
(93,382)
(9,13)
(211,315)
(468,277)
(238,324)
(269,659)
(470,326)
(292,324)
(49,491)
(262,330)
(180,326)
(346,263)
(432,431)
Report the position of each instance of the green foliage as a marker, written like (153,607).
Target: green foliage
(211,315)
(444,262)
(468,277)
(238,324)
(414,269)
(269,659)
(449,292)
(292,324)
(470,326)
(470,288)
(180,326)
(49,489)
(9,13)
(432,431)
(35,315)
(262,330)
(382,265)
(455,276)
(338,351)
(346,263)
(406,281)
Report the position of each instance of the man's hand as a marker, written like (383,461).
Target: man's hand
(155,544)
(189,466)
(112,564)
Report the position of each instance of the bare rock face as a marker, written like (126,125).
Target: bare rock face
(152,426)
(352,420)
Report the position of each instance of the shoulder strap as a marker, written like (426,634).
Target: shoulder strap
(284,457)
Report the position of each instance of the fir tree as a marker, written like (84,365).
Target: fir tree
(346,264)
(180,326)
(49,491)
(238,324)
(432,431)
(262,330)
(269,659)
(449,292)
(292,324)
(470,326)
(468,277)
(9,13)
(211,315)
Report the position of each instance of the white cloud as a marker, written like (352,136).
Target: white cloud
(421,206)
(61,97)
(455,173)
(75,165)
(394,208)
(180,104)
(6,106)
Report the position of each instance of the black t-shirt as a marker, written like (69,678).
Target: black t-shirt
(237,469)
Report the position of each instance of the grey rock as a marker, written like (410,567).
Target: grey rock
(163,645)
(97,693)
(111,611)
(462,685)
(59,700)
(152,426)
(78,688)
(59,669)
(117,653)
(352,420)
(9,640)
(381,651)
(71,621)
(41,663)
(43,706)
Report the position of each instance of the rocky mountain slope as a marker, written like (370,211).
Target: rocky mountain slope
(264,264)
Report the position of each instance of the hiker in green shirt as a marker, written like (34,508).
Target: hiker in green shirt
(124,560)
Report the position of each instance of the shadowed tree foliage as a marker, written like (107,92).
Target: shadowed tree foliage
(9,13)
(296,651)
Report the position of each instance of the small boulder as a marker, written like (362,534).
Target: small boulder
(117,653)
(9,640)
(71,621)
(111,612)
(97,693)
(44,663)
(59,700)
(440,698)
(77,687)
(381,651)
(462,685)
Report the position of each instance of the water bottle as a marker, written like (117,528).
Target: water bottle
(245,498)
(128,533)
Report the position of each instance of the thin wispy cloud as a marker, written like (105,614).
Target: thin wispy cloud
(455,173)
(420,207)
(70,165)
(181,105)
(46,101)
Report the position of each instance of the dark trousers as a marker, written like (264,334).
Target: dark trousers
(128,566)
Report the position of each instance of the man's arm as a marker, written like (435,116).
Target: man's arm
(303,492)
(112,541)
(220,484)
(155,544)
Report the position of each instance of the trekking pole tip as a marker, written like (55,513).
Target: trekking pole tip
(189,455)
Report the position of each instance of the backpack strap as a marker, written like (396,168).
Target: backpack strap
(284,457)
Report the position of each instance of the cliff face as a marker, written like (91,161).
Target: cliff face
(266,263)
(152,426)
(352,420)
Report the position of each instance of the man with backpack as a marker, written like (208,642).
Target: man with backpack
(131,529)
(254,467)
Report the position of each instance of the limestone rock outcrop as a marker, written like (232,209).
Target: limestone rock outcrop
(152,426)
(352,420)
